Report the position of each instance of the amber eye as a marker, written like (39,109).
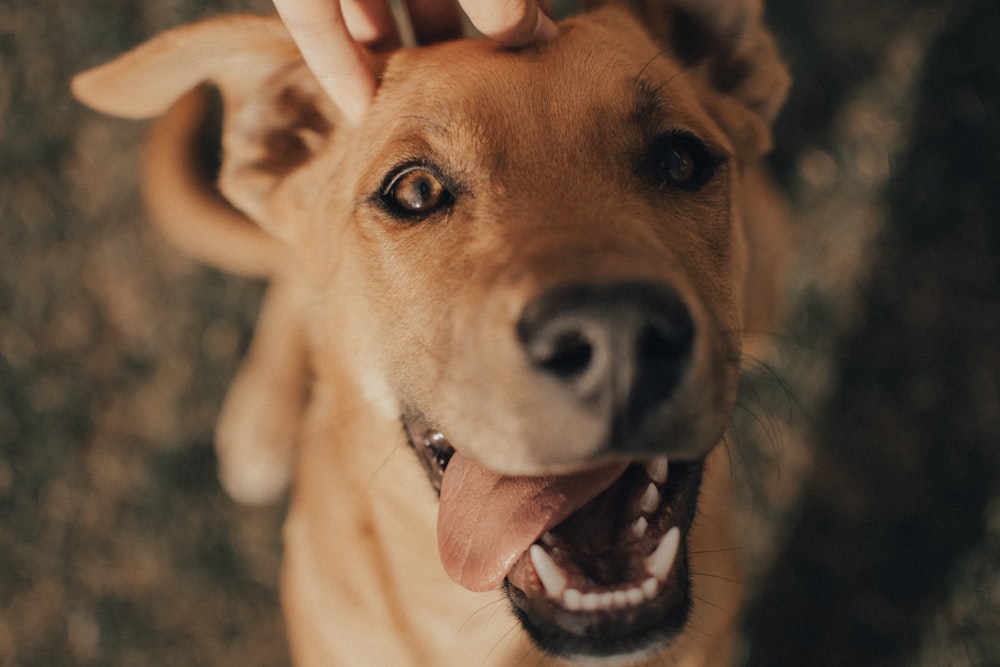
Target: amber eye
(415,191)
(677,166)
(682,161)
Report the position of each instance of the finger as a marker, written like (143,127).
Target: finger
(434,20)
(371,23)
(513,23)
(339,63)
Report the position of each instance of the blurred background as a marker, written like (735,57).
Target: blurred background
(866,449)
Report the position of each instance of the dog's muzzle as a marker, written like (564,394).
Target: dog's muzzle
(606,572)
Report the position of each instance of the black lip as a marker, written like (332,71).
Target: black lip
(602,634)
(432,448)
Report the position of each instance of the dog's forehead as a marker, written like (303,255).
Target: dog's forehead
(593,73)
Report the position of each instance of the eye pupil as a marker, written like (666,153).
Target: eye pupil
(678,165)
(417,191)
(679,160)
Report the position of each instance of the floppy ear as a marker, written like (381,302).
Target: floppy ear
(275,117)
(724,43)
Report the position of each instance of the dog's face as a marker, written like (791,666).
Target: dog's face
(536,262)
(551,273)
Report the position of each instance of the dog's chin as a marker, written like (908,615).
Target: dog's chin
(609,585)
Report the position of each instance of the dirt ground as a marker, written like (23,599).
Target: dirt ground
(867,459)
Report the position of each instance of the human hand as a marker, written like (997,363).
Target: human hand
(334,35)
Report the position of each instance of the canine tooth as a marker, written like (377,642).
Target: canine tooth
(650,588)
(550,574)
(658,469)
(573,599)
(650,499)
(634,596)
(639,526)
(660,561)
(590,601)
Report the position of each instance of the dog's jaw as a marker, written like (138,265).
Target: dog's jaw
(610,580)
(632,595)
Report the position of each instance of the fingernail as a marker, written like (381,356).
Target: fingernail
(545,28)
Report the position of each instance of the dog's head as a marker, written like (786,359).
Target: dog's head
(536,260)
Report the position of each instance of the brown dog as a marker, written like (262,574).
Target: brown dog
(534,269)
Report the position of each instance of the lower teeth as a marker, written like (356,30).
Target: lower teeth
(658,566)
(574,600)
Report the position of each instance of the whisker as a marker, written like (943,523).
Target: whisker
(515,626)
(693,626)
(493,607)
(393,452)
(775,377)
(715,551)
(736,582)
(728,612)
(649,62)
(729,455)
(767,425)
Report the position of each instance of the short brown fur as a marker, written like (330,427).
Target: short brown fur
(368,316)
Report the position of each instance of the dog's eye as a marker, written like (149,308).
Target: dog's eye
(415,191)
(677,165)
(681,160)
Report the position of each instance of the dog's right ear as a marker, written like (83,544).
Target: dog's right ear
(275,116)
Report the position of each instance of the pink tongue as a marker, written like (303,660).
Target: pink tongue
(487,520)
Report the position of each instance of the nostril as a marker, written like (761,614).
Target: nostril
(568,355)
(665,343)
(663,349)
(622,346)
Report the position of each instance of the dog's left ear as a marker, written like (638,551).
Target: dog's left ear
(275,116)
(726,44)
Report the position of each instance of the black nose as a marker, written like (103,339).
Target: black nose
(622,346)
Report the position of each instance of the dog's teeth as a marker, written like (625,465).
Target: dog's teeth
(550,574)
(590,601)
(658,469)
(639,526)
(548,539)
(660,561)
(573,599)
(650,499)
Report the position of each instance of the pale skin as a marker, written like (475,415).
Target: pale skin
(337,36)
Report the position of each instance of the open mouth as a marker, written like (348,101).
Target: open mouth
(604,575)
